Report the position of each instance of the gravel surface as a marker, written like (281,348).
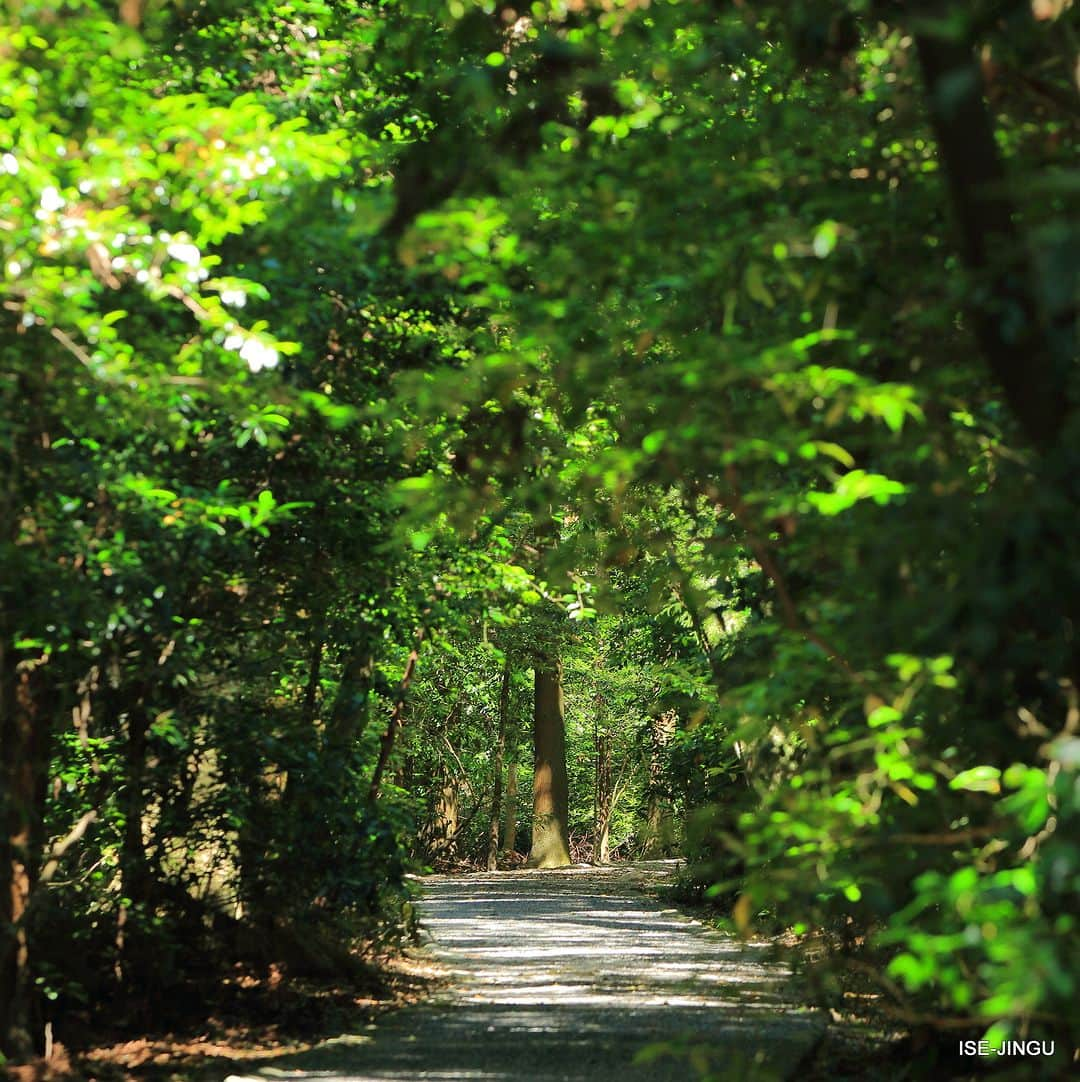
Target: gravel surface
(575,974)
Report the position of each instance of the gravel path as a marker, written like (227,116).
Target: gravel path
(570,975)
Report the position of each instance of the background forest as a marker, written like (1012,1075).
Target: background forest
(685,387)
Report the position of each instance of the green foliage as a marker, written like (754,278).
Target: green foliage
(731,248)
(181,410)
(664,339)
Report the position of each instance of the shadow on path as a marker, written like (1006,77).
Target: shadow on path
(570,975)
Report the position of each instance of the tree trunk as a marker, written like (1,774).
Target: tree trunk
(134,870)
(444,824)
(311,692)
(509,830)
(658,835)
(1004,310)
(497,772)
(24,759)
(397,717)
(349,714)
(604,802)
(551,796)
(443,827)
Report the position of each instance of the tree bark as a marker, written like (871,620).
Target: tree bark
(551,796)
(24,759)
(135,873)
(1004,307)
(658,833)
(444,825)
(509,828)
(348,715)
(497,772)
(311,691)
(397,717)
(604,802)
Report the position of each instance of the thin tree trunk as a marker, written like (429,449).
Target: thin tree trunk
(551,796)
(604,803)
(348,715)
(1004,309)
(397,717)
(346,723)
(311,692)
(132,708)
(509,830)
(24,758)
(135,875)
(497,772)
(658,834)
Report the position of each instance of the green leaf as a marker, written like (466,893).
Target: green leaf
(825,239)
(979,779)
(754,281)
(883,715)
(654,441)
(416,484)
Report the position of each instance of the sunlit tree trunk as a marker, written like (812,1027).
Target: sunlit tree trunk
(311,691)
(551,797)
(443,827)
(605,799)
(658,833)
(497,772)
(444,823)
(397,716)
(509,827)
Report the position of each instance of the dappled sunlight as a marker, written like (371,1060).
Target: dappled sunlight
(562,975)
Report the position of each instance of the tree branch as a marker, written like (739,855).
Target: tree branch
(397,717)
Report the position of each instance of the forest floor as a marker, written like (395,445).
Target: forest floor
(580,974)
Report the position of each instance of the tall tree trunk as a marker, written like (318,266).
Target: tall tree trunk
(444,824)
(24,759)
(349,714)
(604,799)
(134,870)
(311,691)
(497,772)
(1020,351)
(441,832)
(397,717)
(509,828)
(135,877)
(551,795)
(658,834)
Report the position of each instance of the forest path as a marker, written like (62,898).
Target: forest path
(569,975)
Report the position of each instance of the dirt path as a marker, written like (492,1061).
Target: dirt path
(570,975)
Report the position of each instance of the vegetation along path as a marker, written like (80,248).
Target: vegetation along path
(572,974)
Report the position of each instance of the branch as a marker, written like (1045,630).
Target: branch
(771,566)
(463,776)
(397,716)
(188,301)
(72,347)
(948,837)
(58,849)
(903,1012)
